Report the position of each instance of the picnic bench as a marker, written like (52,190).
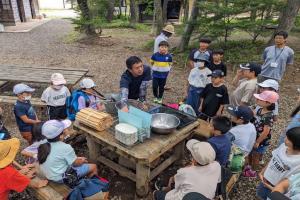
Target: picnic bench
(144,155)
(34,74)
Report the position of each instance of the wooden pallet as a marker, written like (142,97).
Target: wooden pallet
(12,100)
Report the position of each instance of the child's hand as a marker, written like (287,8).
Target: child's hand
(239,73)
(38,121)
(42,183)
(256,145)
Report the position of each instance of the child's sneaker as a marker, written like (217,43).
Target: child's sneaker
(249,173)
(155,100)
(159,101)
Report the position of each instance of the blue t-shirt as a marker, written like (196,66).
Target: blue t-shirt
(21,109)
(222,147)
(61,156)
(133,83)
(161,65)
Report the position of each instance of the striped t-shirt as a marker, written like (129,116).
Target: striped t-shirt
(161,65)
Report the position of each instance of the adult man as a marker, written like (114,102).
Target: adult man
(135,80)
(276,58)
(200,54)
(166,33)
(245,82)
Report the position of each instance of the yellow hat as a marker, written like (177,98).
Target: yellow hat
(8,151)
(169,28)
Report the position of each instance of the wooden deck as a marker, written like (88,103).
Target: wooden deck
(34,74)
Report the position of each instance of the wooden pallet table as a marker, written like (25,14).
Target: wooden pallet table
(142,154)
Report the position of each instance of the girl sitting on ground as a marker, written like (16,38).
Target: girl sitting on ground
(55,156)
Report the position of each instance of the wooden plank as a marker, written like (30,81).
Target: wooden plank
(162,166)
(234,178)
(38,67)
(13,99)
(120,169)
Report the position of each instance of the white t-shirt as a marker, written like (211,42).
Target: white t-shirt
(198,77)
(245,136)
(201,179)
(281,165)
(54,97)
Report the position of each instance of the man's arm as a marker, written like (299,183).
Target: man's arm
(143,90)
(237,78)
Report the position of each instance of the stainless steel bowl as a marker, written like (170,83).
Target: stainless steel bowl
(163,123)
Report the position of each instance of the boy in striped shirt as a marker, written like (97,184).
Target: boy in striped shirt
(161,62)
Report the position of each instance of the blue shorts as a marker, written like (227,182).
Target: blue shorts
(262,192)
(261,149)
(82,170)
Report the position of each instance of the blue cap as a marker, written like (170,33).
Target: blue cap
(53,128)
(243,112)
(20,88)
(217,73)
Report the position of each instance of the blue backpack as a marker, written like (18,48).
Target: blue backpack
(72,103)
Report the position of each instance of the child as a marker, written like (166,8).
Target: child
(161,65)
(245,82)
(12,179)
(284,163)
(93,101)
(263,123)
(201,54)
(55,156)
(270,85)
(37,139)
(202,176)
(214,96)
(220,142)
(55,97)
(244,133)
(198,79)
(23,110)
(217,63)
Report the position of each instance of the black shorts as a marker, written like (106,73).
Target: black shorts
(57,112)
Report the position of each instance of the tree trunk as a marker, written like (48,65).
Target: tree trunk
(110,10)
(189,28)
(134,12)
(158,17)
(165,11)
(85,12)
(287,17)
(186,8)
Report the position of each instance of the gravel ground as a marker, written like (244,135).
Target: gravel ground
(105,58)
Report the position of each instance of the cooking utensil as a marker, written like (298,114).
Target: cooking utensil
(163,123)
(126,133)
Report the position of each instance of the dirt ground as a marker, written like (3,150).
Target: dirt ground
(46,46)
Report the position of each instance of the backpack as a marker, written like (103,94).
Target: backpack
(72,103)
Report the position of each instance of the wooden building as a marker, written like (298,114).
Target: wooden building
(14,11)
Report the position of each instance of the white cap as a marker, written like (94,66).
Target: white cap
(269,83)
(58,79)
(87,83)
(202,152)
(20,88)
(53,128)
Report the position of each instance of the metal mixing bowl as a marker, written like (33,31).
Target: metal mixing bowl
(163,123)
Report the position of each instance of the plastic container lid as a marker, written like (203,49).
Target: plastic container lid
(126,128)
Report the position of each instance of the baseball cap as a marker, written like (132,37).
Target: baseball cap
(87,83)
(58,79)
(252,67)
(269,83)
(269,96)
(243,112)
(202,152)
(194,196)
(20,88)
(217,73)
(53,128)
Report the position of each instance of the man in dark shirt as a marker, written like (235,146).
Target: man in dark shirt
(217,62)
(214,96)
(135,80)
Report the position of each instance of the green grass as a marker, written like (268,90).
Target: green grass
(72,37)
(120,23)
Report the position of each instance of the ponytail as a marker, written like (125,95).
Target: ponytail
(45,149)
(297,109)
(43,152)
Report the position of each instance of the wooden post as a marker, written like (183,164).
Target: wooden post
(94,149)
(179,151)
(142,179)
